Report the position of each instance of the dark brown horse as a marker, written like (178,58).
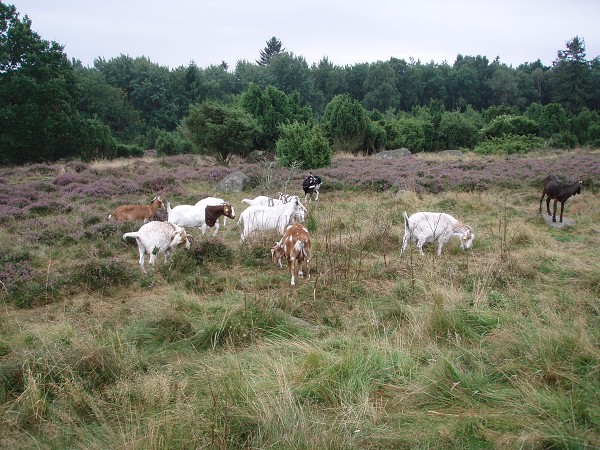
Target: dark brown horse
(560,192)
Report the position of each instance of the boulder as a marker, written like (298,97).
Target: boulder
(392,154)
(233,183)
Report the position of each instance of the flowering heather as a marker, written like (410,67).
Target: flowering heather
(44,207)
(14,272)
(77,166)
(65,179)
(159,183)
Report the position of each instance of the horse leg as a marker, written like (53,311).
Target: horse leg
(562,205)
(548,205)
(554,214)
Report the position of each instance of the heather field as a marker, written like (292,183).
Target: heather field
(496,347)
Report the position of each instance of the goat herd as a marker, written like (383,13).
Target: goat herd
(285,214)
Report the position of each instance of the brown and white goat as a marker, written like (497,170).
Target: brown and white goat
(200,215)
(137,212)
(553,188)
(295,247)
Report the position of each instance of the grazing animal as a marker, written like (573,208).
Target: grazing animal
(158,237)
(201,216)
(213,201)
(311,185)
(258,217)
(295,247)
(553,188)
(422,227)
(137,212)
(262,200)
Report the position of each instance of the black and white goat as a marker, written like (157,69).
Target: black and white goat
(311,185)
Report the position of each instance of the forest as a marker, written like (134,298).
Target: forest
(54,108)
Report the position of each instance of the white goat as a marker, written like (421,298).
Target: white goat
(262,200)
(158,237)
(202,216)
(422,227)
(257,217)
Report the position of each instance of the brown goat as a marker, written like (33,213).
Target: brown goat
(553,188)
(137,212)
(295,246)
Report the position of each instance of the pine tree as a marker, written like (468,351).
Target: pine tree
(273,48)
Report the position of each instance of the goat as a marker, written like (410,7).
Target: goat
(258,217)
(213,201)
(199,215)
(295,246)
(158,237)
(311,184)
(553,188)
(422,227)
(263,200)
(137,212)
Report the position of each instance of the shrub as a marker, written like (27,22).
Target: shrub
(505,125)
(129,150)
(457,131)
(304,144)
(509,144)
(172,143)
(406,132)
(101,274)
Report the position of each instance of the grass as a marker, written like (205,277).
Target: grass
(491,348)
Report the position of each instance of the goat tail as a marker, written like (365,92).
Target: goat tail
(247,201)
(110,216)
(133,234)
(405,219)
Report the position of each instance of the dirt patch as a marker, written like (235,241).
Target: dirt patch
(558,225)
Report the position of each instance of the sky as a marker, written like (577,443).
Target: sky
(176,33)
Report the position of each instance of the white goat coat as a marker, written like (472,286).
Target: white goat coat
(158,237)
(429,227)
(257,217)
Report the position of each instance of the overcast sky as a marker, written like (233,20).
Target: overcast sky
(174,33)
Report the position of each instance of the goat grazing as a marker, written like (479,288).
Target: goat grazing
(422,227)
(158,237)
(137,212)
(257,217)
(311,185)
(553,188)
(202,216)
(295,246)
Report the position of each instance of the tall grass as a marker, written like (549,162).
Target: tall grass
(496,347)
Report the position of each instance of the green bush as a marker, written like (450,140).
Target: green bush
(129,150)
(509,144)
(305,144)
(174,143)
(505,125)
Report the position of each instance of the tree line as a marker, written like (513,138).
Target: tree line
(52,107)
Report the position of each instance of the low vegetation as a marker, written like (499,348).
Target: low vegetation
(496,347)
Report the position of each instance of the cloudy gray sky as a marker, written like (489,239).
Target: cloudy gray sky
(175,32)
